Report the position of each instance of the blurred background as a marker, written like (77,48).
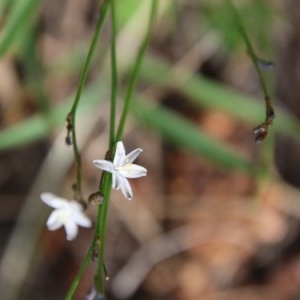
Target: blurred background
(217,217)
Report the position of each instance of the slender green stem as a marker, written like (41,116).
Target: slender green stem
(80,273)
(261,130)
(250,49)
(71,128)
(135,71)
(106,180)
(101,230)
(114,76)
(71,117)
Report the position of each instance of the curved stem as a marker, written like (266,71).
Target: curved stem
(261,130)
(250,49)
(71,127)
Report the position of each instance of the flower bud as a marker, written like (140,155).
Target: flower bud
(96,198)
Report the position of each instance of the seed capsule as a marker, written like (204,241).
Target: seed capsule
(261,132)
(68,140)
(95,198)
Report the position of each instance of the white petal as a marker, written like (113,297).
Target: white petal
(132,171)
(81,219)
(116,180)
(126,189)
(119,155)
(104,165)
(75,207)
(71,230)
(130,157)
(54,201)
(54,221)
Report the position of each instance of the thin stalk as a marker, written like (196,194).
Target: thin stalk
(136,69)
(250,49)
(71,127)
(101,230)
(114,76)
(80,273)
(106,180)
(261,130)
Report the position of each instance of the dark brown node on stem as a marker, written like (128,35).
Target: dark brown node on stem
(261,131)
(96,249)
(270,113)
(68,138)
(109,155)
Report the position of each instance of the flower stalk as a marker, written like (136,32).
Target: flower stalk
(71,118)
(261,131)
(136,70)
(106,179)
(80,273)
(114,76)
(117,165)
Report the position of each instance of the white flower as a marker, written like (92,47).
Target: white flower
(122,168)
(66,213)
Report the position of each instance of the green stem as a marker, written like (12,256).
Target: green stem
(101,230)
(135,71)
(250,49)
(80,273)
(261,131)
(114,76)
(71,122)
(106,180)
(71,117)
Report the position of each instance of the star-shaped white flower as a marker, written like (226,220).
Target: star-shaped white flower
(122,168)
(66,213)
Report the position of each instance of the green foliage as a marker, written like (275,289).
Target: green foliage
(124,11)
(256,16)
(186,134)
(201,91)
(21,31)
(21,15)
(4,5)
(37,127)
